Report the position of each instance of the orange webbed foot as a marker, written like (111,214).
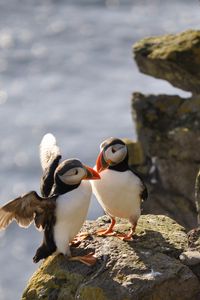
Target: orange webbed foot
(109,231)
(129,236)
(89,259)
(104,232)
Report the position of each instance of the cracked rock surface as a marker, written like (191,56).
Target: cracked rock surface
(168,126)
(145,268)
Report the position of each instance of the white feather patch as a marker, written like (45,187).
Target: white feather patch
(48,150)
(119,193)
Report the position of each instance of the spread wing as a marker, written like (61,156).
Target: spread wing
(25,208)
(49,157)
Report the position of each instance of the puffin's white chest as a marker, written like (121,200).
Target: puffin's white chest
(71,212)
(119,193)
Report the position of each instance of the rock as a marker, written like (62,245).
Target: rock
(197,197)
(135,151)
(168,130)
(174,177)
(175,58)
(190,258)
(194,239)
(145,268)
(165,202)
(168,124)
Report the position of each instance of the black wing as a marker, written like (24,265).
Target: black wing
(47,179)
(144,192)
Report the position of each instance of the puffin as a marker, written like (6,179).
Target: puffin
(62,209)
(121,189)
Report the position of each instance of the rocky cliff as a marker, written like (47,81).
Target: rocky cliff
(168,127)
(197,196)
(147,268)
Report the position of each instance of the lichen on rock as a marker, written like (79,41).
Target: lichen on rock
(175,58)
(145,268)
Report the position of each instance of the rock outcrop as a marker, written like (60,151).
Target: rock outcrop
(175,58)
(145,268)
(197,197)
(168,127)
(191,257)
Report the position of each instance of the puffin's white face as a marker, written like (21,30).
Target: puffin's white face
(115,153)
(73,175)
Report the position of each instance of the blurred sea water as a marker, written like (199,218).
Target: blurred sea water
(66,67)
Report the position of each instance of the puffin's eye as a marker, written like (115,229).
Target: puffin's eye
(76,172)
(116,147)
(113,150)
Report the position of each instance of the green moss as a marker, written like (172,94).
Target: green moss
(49,278)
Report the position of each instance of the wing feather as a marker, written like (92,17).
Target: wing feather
(144,192)
(48,150)
(24,209)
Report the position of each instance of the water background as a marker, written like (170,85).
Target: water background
(66,67)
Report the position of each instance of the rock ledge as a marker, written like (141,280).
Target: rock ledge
(146,268)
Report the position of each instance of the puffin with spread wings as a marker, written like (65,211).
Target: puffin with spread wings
(121,189)
(63,207)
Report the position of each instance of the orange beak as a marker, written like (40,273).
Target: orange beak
(101,163)
(91,174)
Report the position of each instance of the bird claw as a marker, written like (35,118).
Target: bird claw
(88,259)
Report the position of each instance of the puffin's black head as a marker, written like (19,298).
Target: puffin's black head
(113,152)
(72,172)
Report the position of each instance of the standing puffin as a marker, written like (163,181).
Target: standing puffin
(120,190)
(62,210)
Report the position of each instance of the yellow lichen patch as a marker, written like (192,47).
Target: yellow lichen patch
(92,293)
(166,47)
(48,278)
(175,58)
